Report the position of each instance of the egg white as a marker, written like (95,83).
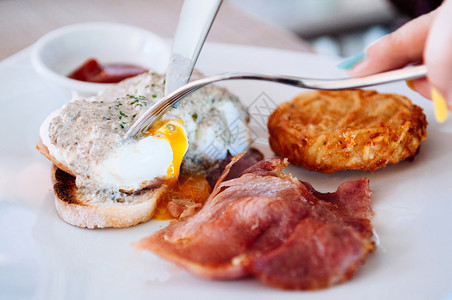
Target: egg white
(132,165)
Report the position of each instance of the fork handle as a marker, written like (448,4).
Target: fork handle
(324,84)
(376,79)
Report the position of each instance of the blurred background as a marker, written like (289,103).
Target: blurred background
(338,27)
(335,27)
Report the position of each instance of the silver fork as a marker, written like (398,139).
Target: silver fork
(151,115)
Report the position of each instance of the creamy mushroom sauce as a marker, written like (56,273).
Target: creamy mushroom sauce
(87,130)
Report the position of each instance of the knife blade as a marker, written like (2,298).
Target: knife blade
(195,20)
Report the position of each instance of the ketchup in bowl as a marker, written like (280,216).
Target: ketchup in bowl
(93,71)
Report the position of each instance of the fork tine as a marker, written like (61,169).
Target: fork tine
(150,116)
(154,115)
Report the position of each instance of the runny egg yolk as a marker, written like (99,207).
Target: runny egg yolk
(137,164)
(173,132)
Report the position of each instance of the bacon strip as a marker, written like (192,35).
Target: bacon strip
(275,227)
(251,157)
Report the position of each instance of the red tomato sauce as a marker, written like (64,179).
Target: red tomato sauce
(93,71)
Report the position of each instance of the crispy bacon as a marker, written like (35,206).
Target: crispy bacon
(275,227)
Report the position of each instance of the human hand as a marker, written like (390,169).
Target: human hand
(426,39)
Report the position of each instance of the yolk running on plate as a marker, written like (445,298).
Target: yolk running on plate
(190,188)
(172,131)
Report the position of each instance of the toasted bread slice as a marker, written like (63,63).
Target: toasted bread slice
(91,211)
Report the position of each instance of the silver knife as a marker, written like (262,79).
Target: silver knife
(195,20)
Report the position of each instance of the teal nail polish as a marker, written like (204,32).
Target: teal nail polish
(350,61)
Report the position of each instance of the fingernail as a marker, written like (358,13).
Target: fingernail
(440,105)
(350,61)
(410,84)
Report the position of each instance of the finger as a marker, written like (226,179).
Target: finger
(396,50)
(425,88)
(422,86)
(437,52)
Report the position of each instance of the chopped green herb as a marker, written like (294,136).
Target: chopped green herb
(123,114)
(195,116)
(134,115)
(154,96)
(137,99)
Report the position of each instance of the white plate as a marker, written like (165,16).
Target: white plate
(42,257)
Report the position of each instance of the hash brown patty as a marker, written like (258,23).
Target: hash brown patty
(328,131)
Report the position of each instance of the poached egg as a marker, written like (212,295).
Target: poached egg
(136,164)
(129,166)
